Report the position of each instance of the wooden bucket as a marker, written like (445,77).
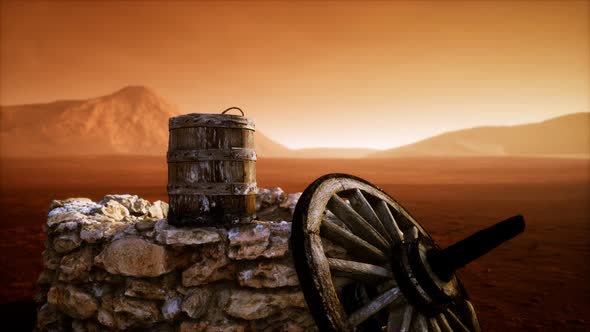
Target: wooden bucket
(211,169)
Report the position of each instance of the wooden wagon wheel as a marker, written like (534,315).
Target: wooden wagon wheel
(365,264)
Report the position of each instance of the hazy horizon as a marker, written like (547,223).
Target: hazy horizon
(119,123)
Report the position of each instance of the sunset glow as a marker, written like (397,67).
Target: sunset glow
(330,74)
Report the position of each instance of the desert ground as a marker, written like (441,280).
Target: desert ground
(537,281)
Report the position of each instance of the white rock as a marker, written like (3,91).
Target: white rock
(100,289)
(46,315)
(68,226)
(160,225)
(280,234)
(140,310)
(51,259)
(144,289)
(72,301)
(145,225)
(66,242)
(248,241)
(213,266)
(188,236)
(115,210)
(106,318)
(63,217)
(268,274)
(76,266)
(134,204)
(77,205)
(158,210)
(171,307)
(269,197)
(196,303)
(291,202)
(135,257)
(93,233)
(260,239)
(250,305)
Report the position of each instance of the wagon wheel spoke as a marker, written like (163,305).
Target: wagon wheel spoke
(443,323)
(407,319)
(393,319)
(420,323)
(388,221)
(400,318)
(464,309)
(434,325)
(455,322)
(357,224)
(374,306)
(474,322)
(352,243)
(411,233)
(360,204)
(360,271)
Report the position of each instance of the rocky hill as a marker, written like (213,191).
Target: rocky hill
(133,120)
(564,136)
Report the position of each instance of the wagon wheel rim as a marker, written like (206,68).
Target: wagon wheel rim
(382,266)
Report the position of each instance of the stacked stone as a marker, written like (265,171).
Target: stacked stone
(118,265)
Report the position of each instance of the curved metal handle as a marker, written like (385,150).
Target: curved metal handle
(233,108)
(446,261)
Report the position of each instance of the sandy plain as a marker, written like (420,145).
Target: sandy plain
(539,281)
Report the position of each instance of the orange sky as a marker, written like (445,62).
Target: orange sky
(335,74)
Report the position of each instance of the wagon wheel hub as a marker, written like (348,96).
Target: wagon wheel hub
(365,264)
(418,281)
(426,273)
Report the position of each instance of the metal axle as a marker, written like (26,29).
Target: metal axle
(446,261)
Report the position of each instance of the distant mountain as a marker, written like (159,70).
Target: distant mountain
(333,153)
(564,136)
(133,120)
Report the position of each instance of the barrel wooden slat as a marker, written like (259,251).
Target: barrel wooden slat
(210,138)
(224,171)
(194,205)
(211,169)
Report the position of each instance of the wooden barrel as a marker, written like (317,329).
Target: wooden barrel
(211,169)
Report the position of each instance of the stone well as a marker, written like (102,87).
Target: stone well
(118,265)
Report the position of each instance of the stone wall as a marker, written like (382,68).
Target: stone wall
(118,265)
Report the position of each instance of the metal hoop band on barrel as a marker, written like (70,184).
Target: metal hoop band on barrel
(214,188)
(211,120)
(212,154)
